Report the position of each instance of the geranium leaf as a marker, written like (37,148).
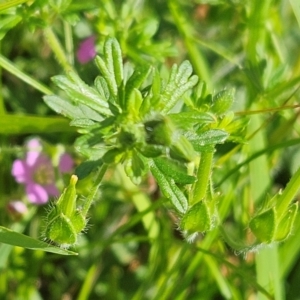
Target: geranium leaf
(169,189)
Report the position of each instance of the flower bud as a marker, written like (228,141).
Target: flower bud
(65,221)
(197,219)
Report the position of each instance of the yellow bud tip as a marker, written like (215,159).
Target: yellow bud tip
(73,179)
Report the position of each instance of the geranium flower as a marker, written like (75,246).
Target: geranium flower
(37,173)
(86,50)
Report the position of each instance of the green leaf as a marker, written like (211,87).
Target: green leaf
(83,123)
(169,189)
(113,156)
(70,110)
(79,92)
(134,168)
(222,101)
(102,88)
(87,167)
(204,140)
(24,124)
(111,65)
(114,61)
(134,82)
(182,149)
(174,170)
(180,81)
(14,238)
(187,120)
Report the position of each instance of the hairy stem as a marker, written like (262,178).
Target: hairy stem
(57,48)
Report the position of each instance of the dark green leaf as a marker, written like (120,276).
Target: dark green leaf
(169,189)
(87,167)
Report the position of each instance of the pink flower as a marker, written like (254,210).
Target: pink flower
(37,173)
(86,50)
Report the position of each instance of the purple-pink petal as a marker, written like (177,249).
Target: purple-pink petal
(20,171)
(36,193)
(66,163)
(87,50)
(34,150)
(34,144)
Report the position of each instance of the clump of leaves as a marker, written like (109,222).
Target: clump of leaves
(132,116)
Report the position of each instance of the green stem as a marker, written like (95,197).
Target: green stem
(10,67)
(90,198)
(69,43)
(288,194)
(56,47)
(203,177)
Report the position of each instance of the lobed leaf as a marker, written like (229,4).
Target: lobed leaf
(169,189)
(70,110)
(111,65)
(205,140)
(134,82)
(187,120)
(80,92)
(180,81)
(173,170)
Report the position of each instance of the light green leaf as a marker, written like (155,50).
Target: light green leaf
(187,120)
(205,140)
(80,92)
(111,65)
(180,81)
(134,82)
(70,110)
(14,238)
